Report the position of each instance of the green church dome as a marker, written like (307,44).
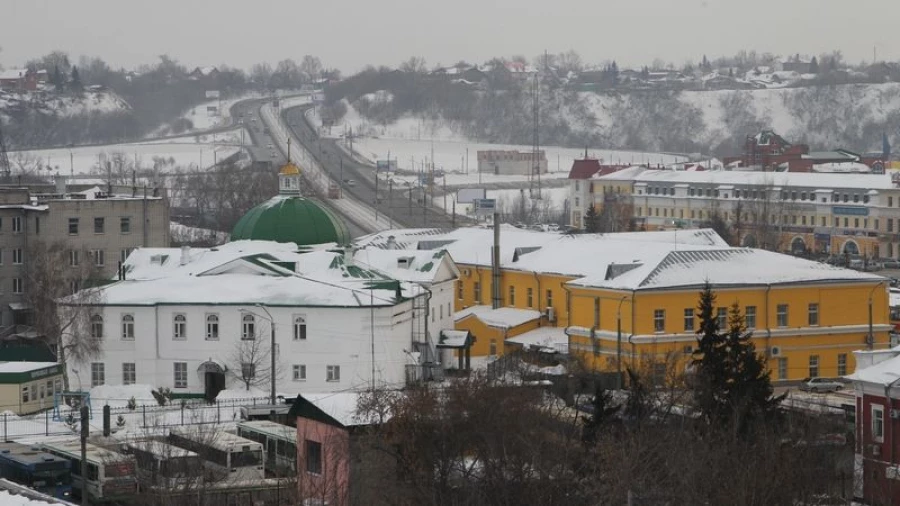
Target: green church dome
(293,219)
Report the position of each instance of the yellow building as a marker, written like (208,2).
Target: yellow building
(586,293)
(27,387)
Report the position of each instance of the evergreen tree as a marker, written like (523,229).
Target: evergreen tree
(75,80)
(814,66)
(603,412)
(732,387)
(591,220)
(705,65)
(57,79)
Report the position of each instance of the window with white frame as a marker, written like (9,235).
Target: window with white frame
(99,257)
(813,366)
(97,326)
(813,313)
(299,372)
(781,315)
(512,295)
(127,326)
(476,289)
(878,423)
(17,224)
(842,364)
(248,327)
(98,374)
(689,320)
(129,373)
(333,373)
(73,258)
(722,317)
(179,326)
(18,285)
(18,256)
(459,289)
(659,320)
(212,327)
(181,375)
(750,317)
(299,327)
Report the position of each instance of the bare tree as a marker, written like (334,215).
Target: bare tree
(251,361)
(61,289)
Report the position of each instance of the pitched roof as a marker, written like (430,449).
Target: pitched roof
(583,169)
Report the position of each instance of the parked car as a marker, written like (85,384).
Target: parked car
(350,182)
(821,385)
(890,264)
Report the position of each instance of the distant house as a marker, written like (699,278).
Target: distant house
(500,162)
(204,73)
(799,66)
(19,80)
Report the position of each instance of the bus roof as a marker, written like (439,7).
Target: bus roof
(270,428)
(25,454)
(220,440)
(96,454)
(161,449)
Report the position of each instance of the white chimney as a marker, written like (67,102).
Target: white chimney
(391,242)
(60,184)
(185,255)
(348,255)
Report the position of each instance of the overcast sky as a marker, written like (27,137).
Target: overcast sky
(348,34)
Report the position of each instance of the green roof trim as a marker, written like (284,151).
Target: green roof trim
(17,378)
(297,220)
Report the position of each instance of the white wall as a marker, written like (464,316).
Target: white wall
(335,336)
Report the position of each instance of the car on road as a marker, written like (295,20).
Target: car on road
(821,385)
(349,182)
(271,146)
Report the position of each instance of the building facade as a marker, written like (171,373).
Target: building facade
(28,387)
(834,214)
(95,226)
(505,163)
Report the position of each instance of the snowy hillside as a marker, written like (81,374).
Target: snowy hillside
(62,105)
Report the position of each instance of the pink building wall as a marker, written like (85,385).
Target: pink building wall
(333,483)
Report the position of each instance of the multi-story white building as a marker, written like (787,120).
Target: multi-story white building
(798,212)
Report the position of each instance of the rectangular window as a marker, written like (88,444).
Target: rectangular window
(750,317)
(890,225)
(549,298)
(476,287)
(129,373)
(73,258)
(782,368)
(73,226)
(313,457)
(99,225)
(99,257)
(689,320)
(18,285)
(127,326)
(17,256)
(813,314)
(782,315)
(529,297)
(181,375)
(878,423)
(98,374)
(333,373)
(722,317)
(300,328)
(125,225)
(493,348)
(25,397)
(813,366)
(459,290)
(179,326)
(512,295)
(299,372)
(17,224)
(842,364)
(659,320)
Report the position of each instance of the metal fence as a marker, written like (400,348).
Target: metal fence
(178,412)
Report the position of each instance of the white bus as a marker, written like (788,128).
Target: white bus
(160,464)
(232,457)
(279,442)
(110,474)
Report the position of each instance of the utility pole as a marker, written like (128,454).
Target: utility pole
(85,432)
(495,263)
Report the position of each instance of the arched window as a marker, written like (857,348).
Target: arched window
(127,326)
(299,328)
(248,327)
(179,324)
(212,326)
(97,326)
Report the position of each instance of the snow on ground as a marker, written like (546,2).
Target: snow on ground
(10,499)
(63,105)
(406,127)
(241,393)
(119,395)
(202,118)
(189,151)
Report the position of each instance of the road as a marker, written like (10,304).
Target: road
(405,205)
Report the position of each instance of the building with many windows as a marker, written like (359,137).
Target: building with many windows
(96,225)
(588,293)
(792,212)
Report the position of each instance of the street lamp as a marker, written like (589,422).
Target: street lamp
(271,350)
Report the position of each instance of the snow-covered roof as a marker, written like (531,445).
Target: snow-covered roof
(773,179)
(454,338)
(251,272)
(552,338)
(419,266)
(642,269)
(12,73)
(14,367)
(342,406)
(842,167)
(882,373)
(504,317)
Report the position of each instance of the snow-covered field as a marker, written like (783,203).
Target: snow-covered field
(406,127)
(189,151)
(202,118)
(63,105)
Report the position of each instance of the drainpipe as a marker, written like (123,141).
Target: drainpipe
(568,304)
(156,327)
(768,327)
(631,335)
(537,280)
(619,344)
(870,339)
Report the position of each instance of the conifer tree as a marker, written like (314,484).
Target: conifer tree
(814,66)
(75,80)
(591,220)
(732,386)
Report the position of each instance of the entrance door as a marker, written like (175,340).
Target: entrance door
(214,382)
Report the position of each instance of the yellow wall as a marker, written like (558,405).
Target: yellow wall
(484,334)
(11,395)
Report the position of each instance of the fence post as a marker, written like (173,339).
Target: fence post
(47,423)
(5,428)
(182,414)
(218,412)
(144,409)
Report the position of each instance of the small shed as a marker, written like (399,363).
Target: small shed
(27,387)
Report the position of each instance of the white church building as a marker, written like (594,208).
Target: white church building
(342,318)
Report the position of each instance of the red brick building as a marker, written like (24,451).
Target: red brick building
(772,152)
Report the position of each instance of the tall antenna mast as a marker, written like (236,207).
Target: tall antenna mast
(5,172)
(535,177)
